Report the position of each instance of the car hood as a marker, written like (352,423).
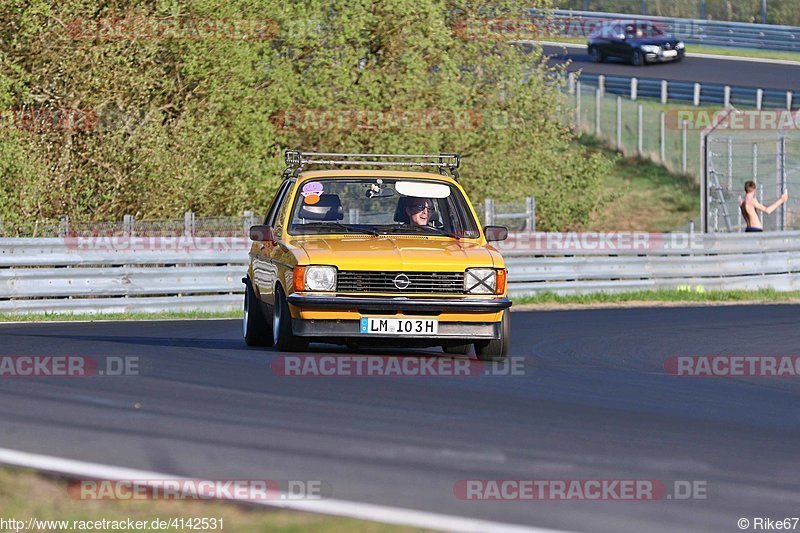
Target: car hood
(660,41)
(393,253)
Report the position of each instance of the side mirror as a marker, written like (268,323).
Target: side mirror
(495,233)
(261,233)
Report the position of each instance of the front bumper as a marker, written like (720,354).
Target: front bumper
(351,329)
(388,304)
(652,57)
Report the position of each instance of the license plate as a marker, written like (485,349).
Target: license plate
(669,53)
(399,326)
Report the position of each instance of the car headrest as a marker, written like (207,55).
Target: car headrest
(329,207)
(400,214)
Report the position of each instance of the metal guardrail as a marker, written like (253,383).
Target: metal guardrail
(697,93)
(51,275)
(692,31)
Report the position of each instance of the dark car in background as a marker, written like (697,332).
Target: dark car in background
(637,41)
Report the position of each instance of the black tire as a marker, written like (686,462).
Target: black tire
(638,58)
(496,349)
(283,337)
(458,349)
(257,328)
(596,55)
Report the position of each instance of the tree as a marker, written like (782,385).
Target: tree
(192,122)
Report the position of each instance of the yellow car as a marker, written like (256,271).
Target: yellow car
(376,258)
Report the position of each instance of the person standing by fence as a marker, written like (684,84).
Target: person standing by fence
(750,207)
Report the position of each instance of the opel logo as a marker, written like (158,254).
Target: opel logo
(401,281)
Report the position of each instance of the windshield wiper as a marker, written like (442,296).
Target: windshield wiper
(336,225)
(425,229)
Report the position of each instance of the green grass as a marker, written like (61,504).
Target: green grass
(703,49)
(689,294)
(25,494)
(644,195)
(85,317)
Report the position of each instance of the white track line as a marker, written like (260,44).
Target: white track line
(688,54)
(361,511)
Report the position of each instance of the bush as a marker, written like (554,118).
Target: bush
(168,125)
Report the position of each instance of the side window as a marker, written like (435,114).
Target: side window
(274,209)
(283,204)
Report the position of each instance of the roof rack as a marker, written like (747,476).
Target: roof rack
(296,159)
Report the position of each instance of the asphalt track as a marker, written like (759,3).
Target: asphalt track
(594,403)
(691,69)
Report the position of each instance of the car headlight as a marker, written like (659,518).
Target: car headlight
(650,48)
(680,46)
(480,281)
(320,278)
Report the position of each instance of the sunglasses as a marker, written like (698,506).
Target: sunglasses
(416,208)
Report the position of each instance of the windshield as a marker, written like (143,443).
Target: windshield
(381,206)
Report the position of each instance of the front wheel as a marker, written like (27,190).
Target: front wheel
(496,349)
(256,328)
(638,58)
(285,340)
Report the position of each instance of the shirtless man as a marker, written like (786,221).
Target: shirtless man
(750,207)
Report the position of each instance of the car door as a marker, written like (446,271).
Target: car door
(264,269)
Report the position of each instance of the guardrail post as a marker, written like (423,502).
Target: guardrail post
(619,123)
(127,225)
(248,220)
(634,88)
(597,101)
(640,123)
(530,210)
(352,213)
(664,91)
(759,98)
(684,134)
(601,84)
(782,179)
(696,94)
(488,212)
(789,100)
(755,171)
(571,82)
(188,224)
(63,226)
(578,104)
(662,138)
(727,97)
(730,163)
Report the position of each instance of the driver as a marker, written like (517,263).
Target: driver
(420,211)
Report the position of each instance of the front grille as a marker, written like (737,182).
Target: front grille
(418,282)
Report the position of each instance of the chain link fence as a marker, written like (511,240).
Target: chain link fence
(640,127)
(733,156)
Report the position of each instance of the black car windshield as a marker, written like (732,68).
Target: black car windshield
(391,206)
(642,30)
